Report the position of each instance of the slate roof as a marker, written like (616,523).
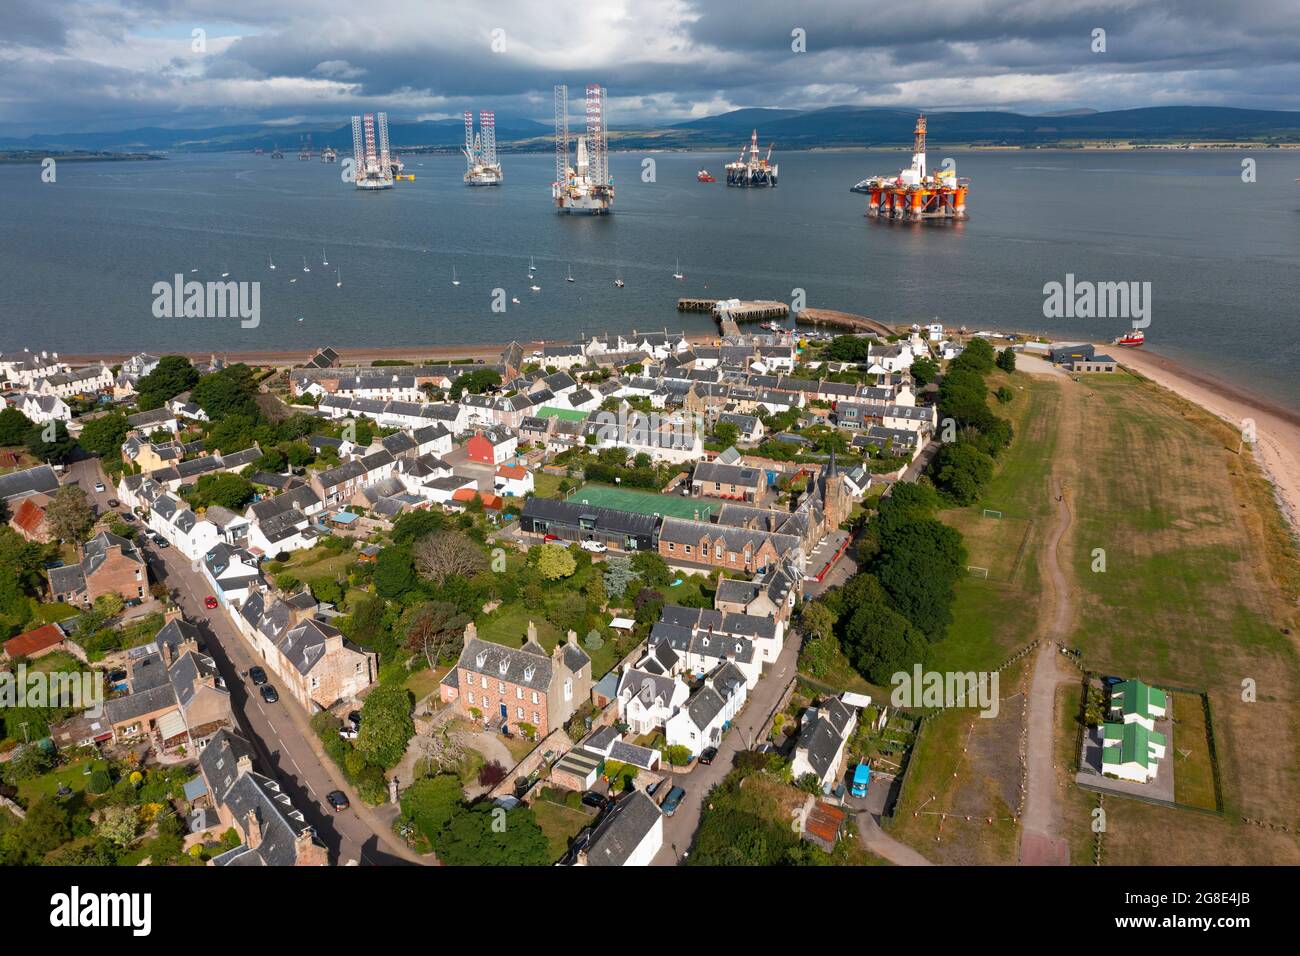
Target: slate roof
(528,666)
(623,830)
(20,484)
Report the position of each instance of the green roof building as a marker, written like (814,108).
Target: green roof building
(1131,752)
(1135,702)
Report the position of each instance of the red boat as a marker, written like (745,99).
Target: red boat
(1131,340)
(703,176)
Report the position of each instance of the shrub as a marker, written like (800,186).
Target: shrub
(100,782)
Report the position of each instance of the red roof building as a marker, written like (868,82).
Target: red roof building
(29,519)
(35,643)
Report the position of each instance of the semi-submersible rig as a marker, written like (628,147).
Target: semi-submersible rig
(913,194)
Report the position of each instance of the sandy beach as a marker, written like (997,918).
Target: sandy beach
(1277,449)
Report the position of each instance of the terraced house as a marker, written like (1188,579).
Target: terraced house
(109,565)
(700,544)
(509,686)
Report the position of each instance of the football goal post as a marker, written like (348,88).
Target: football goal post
(990,513)
(977,572)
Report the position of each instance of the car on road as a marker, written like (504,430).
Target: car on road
(270,694)
(114,503)
(707,755)
(99,487)
(338,800)
(595,547)
(551,537)
(672,801)
(210,603)
(257,676)
(163,543)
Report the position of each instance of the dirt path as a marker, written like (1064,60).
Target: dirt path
(882,844)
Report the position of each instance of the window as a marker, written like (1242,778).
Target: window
(537,718)
(483,682)
(534,697)
(471,697)
(568,689)
(519,712)
(501,687)
(688,549)
(519,693)
(671,546)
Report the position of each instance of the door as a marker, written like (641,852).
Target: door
(504,713)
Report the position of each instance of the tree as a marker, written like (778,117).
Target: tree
(104,435)
(417,524)
(172,375)
(434,629)
(475,382)
(439,556)
(50,442)
(226,489)
(816,619)
(878,640)
(924,371)
(677,755)
(68,515)
(618,575)
(394,574)
(555,562)
(386,725)
(978,355)
(652,569)
(918,565)
(230,391)
(431,804)
(1007,360)
(726,432)
(962,471)
(14,426)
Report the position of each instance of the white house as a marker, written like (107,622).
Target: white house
(630,835)
(513,481)
(647,701)
(44,408)
(1131,752)
(699,724)
(823,739)
(232,573)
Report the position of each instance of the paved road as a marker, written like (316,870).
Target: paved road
(882,844)
(679,829)
(1040,840)
(287,749)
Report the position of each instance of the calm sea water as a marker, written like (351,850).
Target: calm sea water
(79,257)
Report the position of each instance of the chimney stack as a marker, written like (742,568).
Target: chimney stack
(252,830)
(471,634)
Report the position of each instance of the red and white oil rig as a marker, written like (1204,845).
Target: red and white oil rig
(373,162)
(752,168)
(586,188)
(914,194)
(482,166)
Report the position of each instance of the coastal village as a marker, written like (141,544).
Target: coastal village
(571,585)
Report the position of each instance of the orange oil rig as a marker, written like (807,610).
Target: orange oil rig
(913,194)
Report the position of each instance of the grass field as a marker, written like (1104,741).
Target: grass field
(559,824)
(1193,772)
(643,502)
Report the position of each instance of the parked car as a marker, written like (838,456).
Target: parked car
(270,694)
(127,516)
(348,732)
(577,846)
(551,537)
(164,543)
(99,487)
(707,755)
(672,801)
(257,676)
(354,718)
(338,800)
(210,603)
(595,547)
(598,800)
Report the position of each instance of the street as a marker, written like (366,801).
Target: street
(679,829)
(287,749)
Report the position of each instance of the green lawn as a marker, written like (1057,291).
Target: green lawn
(508,625)
(47,613)
(1193,773)
(75,776)
(560,824)
(546,485)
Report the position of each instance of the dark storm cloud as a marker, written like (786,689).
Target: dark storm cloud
(103,64)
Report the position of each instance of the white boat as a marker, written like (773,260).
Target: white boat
(531,268)
(324,260)
(292,281)
(454,280)
(270,262)
(305,267)
(226,273)
(535,287)
(514,299)
(338,277)
(618,280)
(569,277)
(678,274)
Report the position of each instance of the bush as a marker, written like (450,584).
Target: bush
(100,782)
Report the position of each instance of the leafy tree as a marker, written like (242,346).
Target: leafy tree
(816,619)
(434,629)
(819,654)
(230,391)
(416,524)
(878,640)
(918,565)
(555,562)
(475,382)
(849,348)
(172,375)
(50,442)
(618,576)
(227,489)
(394,574)
(68,515)
(726,432)
(14,426)
(924,371)
(273,460)
(649,603)
(431,804)
(962,471)
(104,435)
(567,611)
(978,355)
(386,725)
(1007,360)
(652,569)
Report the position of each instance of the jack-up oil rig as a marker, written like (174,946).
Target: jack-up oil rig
(481,150)
(752,169)
(587,188)
(913,194)
(370,154)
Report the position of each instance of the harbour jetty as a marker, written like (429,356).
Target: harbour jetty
(831,318)
(731,312)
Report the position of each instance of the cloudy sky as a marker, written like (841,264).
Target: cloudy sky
(85,65)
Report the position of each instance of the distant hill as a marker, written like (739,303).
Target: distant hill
(788,129)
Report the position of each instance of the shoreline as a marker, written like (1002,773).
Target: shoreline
(1277,428)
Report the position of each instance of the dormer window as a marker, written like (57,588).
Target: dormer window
(481,659)
(529,671)
(503,666)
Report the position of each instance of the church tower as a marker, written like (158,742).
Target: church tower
(835,502)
